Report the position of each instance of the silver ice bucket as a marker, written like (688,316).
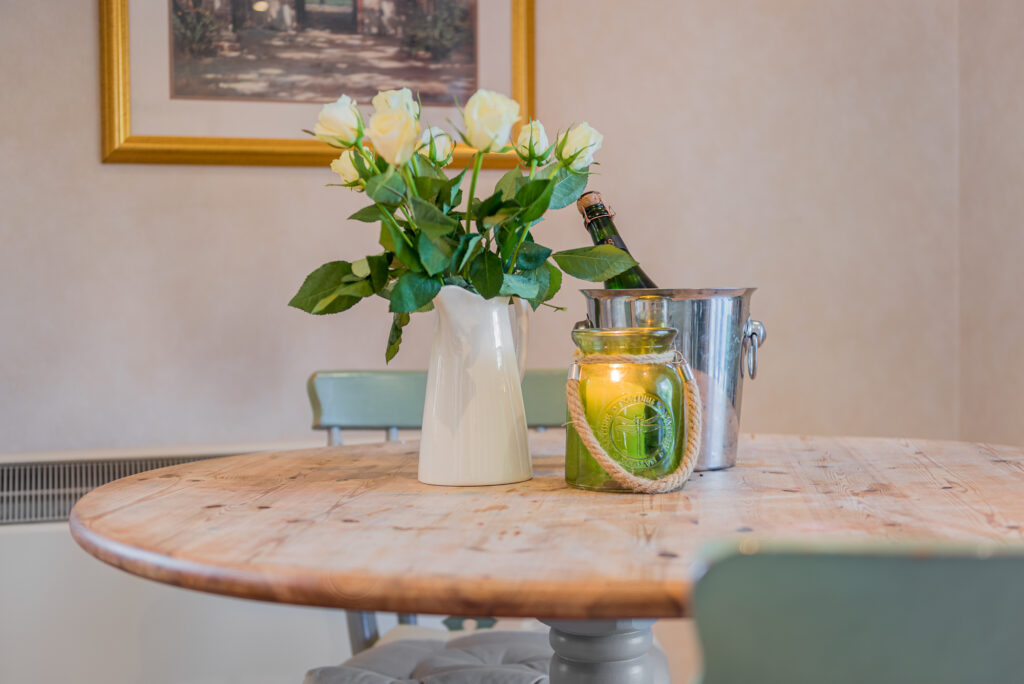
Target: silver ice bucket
(716,335)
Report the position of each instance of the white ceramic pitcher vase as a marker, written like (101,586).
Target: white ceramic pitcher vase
(474,424)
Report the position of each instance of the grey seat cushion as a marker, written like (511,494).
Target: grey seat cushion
(480,658)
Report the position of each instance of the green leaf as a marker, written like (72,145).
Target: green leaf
(378,270)
(370,214)
(396,243)
(435,232)
(398,321)
(535,197)
(360,288)
(454,192)
(435,256)
(385,291)
(532,255)
(360,269)
(486,208)
(456,180)
(330,304)
(531,190)
(554,282)
(509,184)
(426,169)
(596,263)
(520,285)
(508,210)
(431,220)
(456,200)
(426,212)
(338,305)
(388,188)
(321,284)
(485,274)
(364,171)
(469,246)
(412,291)
(568,188)
(385,237)
(508,238)
(428,188)
(543,277)
(549,280)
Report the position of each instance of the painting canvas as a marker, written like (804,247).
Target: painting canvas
(313,50)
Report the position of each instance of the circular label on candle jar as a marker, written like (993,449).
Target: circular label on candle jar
(637,431)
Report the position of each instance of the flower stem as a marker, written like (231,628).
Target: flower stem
(384,211)
(515,255)
(478,161)
(368,157)
(407,176)
(408,216)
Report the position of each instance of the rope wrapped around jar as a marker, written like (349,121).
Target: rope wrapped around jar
(694,424)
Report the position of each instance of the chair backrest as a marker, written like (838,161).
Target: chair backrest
(357,400)
(807,615)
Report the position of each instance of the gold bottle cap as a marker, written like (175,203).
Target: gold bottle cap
(588,199)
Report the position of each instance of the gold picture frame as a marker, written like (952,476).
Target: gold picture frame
(119,145)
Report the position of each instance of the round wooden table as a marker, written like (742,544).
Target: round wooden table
(351,527)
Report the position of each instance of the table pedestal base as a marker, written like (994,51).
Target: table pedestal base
(605,652)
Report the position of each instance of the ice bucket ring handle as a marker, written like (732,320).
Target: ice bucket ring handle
(754,336)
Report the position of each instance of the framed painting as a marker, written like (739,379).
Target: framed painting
(236,81)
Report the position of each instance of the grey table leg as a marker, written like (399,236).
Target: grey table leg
(605,652)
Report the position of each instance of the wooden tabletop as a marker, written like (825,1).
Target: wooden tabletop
(351,527)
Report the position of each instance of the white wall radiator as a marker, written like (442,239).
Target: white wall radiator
(46,491)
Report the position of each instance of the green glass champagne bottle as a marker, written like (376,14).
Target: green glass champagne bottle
(597,217)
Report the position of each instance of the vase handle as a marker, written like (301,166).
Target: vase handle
(520,315)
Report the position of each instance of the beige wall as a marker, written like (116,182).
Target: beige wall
(992,219)
(809,149)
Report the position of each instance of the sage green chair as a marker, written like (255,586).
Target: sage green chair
(393,400)
(916,614)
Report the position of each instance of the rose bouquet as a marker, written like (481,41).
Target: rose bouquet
(430,237)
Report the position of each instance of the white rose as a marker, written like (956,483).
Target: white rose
(443,144)
(396,99)
(339,122)
(394,134)
(489,117)
(344,167)
(532,142)
(578,146)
